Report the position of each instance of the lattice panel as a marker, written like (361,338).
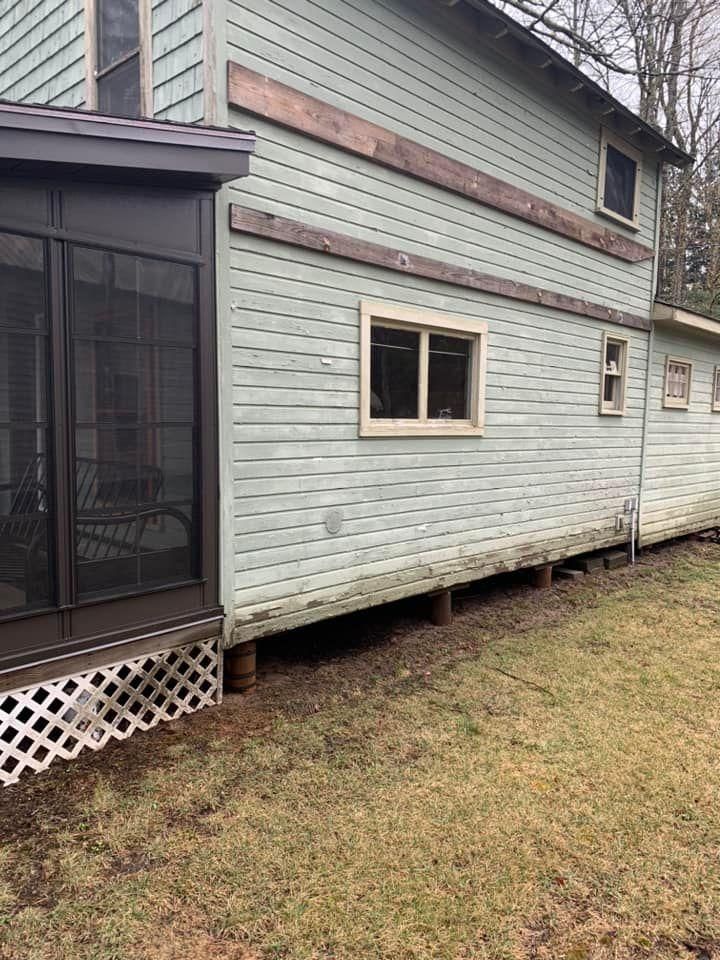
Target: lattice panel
(62,718)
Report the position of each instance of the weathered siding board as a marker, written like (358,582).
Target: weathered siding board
(177,27)
(43,52)
(681,488)
(300,179)
(549,476)
(377,60)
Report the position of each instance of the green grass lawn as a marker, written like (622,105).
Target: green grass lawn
(540,780)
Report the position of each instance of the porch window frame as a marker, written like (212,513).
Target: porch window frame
(423,322)
(143,52)
(71,625)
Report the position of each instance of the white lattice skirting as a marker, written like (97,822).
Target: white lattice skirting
(61,718)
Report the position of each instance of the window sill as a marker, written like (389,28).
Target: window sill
(612,413)
(409,428)
(667,405)
(633,225)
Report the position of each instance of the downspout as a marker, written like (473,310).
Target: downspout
(637,526)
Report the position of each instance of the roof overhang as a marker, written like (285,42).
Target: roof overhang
(524,46)
(38,141)
(669,315)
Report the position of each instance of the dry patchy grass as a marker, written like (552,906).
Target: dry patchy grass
(407,794)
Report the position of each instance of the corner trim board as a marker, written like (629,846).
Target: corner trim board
(293,232)
(284,105)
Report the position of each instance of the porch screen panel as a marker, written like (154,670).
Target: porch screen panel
(25,579)
(135,410)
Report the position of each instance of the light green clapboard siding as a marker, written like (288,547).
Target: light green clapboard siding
(548,477)
(178,60)
(42,55)
(681,489)
(42,52)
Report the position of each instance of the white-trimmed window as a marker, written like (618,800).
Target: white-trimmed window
(678,381)
(716,391)
(619,177)
(421,373)
(613,383)
(119,57)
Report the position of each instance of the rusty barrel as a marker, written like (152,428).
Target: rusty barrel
(240,667)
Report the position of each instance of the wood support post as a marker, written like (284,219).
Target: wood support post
(441,610)
(542,577)
(240,662)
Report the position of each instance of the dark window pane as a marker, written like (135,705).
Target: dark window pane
(449,378)
(118,30)
(132,384)
(24,512)
(620,173)
(394,366)
(117,295)
(119,90)
(24,499)
(22,287)
(135,407)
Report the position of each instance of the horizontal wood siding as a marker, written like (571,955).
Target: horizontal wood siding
(550,475)
(43,51)
(681,489)
(398,65)
(178,60)
(43,55)
(547,479)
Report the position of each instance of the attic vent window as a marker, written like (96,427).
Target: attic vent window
(678,379)
(619,181)
(421,373)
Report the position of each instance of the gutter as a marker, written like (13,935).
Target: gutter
(650,348)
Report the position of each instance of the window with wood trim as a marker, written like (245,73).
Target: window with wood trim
(613,384)
(120,57)
(678,382)
(421,373)
(619,180)
(716,391)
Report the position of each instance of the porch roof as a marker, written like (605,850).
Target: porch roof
(40,141)
(669,314)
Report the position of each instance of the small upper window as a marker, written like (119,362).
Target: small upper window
(619,180)
(678,380)
(420,373)
(614,375)
(118,58)
(716,391)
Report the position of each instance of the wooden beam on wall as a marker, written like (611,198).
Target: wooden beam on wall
(270,227)
(284,105)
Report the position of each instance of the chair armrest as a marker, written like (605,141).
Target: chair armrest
(105,519)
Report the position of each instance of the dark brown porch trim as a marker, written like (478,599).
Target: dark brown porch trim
(259,224)
(257,94)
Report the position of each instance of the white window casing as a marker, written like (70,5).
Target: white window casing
(716,391)
(678,383)
(425,324)
(614,375)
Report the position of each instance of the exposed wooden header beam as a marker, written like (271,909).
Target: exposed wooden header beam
(257,94)
(270,227)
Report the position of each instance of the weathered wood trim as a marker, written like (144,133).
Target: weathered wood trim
(257,94)
(259,224)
